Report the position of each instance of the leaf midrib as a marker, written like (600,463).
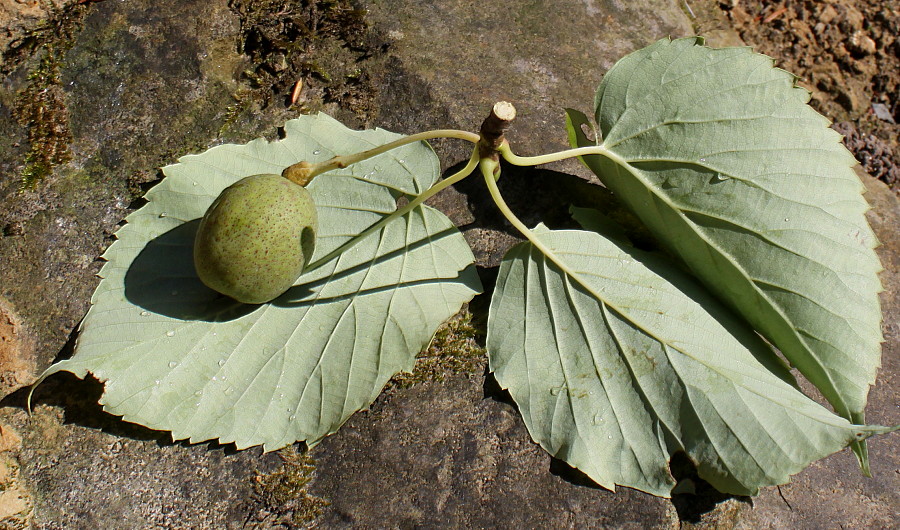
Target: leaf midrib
(636,173)
(555,259)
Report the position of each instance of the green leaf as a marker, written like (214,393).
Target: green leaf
(718,154)
(175,355)
(617,360)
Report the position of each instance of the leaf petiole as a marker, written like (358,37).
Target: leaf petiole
(400,212)
(517,160)
(488,169)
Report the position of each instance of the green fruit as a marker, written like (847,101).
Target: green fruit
(255,238)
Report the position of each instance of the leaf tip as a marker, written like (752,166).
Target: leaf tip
(52,369)
(861,450)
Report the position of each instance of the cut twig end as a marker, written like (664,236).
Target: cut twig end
(504,111)
(494,127)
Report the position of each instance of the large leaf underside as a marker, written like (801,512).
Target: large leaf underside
(176,356)
(719,155)
(617,361)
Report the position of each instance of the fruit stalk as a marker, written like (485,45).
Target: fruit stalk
(303,172)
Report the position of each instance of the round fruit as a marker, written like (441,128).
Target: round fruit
(255,238)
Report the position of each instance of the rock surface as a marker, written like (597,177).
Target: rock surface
(141,84)
(23,24)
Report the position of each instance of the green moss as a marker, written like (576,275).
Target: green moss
(41,107)
(283,492)
(60,29)
(453,350)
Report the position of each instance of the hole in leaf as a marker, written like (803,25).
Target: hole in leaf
(588,132)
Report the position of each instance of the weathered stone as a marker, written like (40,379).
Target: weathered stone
(145,83)
(21,20)
(142,84)
(442,455)
(88,470)
(17,362)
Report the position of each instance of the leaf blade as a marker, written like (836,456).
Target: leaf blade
(614,368)
(736,175)
(176,356)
